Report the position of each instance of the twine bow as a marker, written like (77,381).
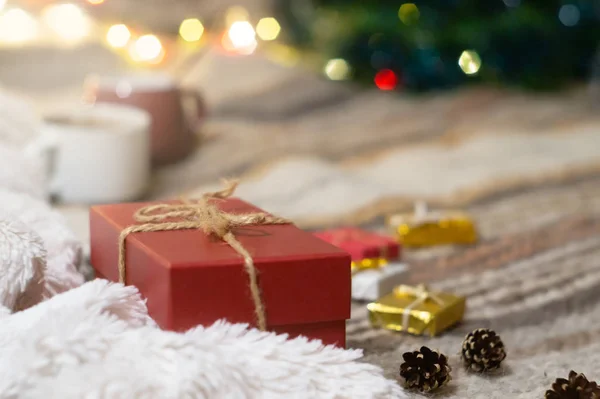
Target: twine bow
(203,215)
(421,294)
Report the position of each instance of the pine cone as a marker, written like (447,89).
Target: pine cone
(425,370)
(483,350)
(576,387)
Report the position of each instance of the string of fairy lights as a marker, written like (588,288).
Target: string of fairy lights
(68,24)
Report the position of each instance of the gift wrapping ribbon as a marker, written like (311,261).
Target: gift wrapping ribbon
(203,215)
(421,294)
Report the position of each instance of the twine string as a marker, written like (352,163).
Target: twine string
(203,214)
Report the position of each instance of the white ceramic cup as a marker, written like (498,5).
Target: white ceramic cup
(96,153)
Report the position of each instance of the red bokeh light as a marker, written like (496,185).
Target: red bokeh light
(386,79)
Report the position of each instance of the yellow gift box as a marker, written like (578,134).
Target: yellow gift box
(417,310)
(428,229)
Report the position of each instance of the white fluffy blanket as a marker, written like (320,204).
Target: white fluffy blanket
(60,339)
(96,341)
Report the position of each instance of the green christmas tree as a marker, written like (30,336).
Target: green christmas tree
(436,44)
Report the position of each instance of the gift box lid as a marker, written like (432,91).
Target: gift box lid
(302,278)
(362,244)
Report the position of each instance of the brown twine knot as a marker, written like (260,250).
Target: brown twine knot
(204,215)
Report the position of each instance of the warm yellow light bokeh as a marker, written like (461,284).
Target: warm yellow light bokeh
(118,36)
(470,62)
(146,48)
(68,21)
(268,29)
(242,37)
(337,69)
(409,13)
(95,2)
(17,26)
(191,30)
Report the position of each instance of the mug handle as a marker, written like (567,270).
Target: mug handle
(196,119)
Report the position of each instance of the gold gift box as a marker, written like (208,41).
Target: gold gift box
(417,310)
(421,229)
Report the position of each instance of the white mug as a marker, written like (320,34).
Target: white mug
(96,153)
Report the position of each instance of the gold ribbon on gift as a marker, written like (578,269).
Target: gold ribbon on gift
(357,266)
(421,294)
(203,215)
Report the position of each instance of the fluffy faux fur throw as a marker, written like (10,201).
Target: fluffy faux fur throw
(97,341)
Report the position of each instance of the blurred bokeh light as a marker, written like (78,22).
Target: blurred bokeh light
(470,62)
(147,48)
(409,13)
(268,29)
(191,30)
(17,26)
(569,15)
(386,79)
(68,21)
(241,37)
(337,69)
(118,36)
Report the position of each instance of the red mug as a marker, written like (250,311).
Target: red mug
(175,128)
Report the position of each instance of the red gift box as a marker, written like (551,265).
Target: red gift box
(191,278)
(361,244)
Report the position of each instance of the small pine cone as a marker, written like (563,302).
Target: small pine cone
(483,350)
(576,387)
(425,370)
